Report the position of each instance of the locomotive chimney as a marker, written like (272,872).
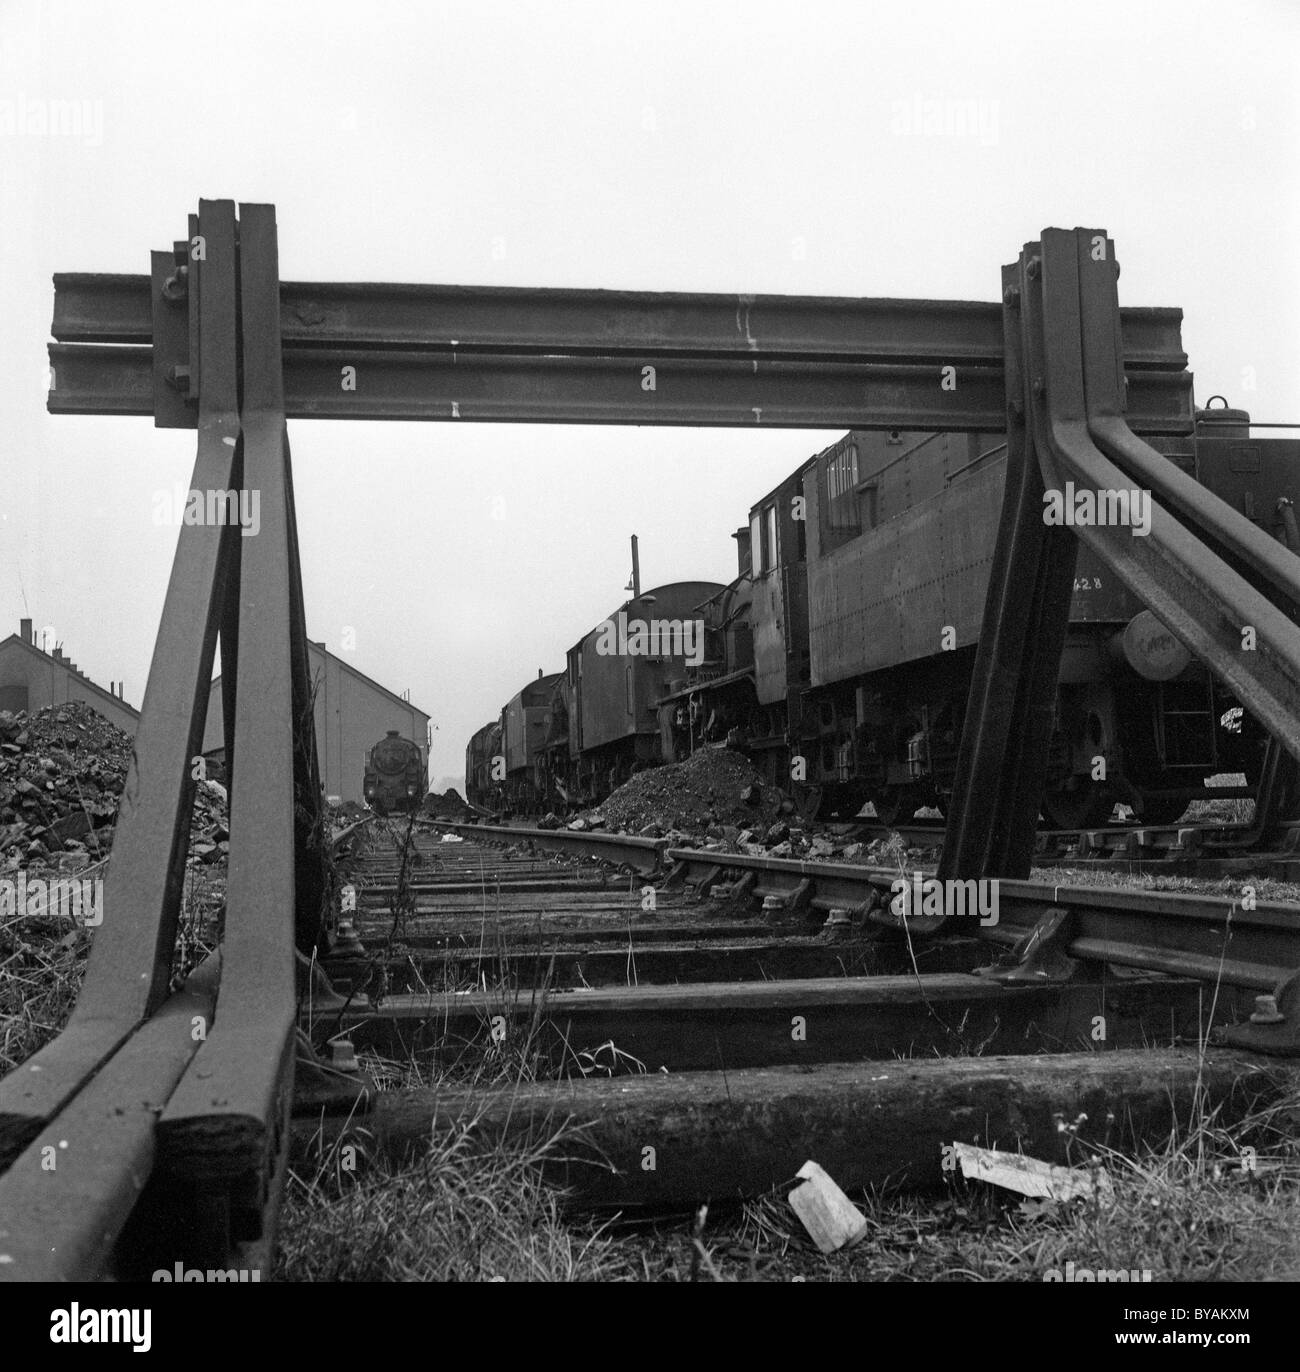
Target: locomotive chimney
(636,571)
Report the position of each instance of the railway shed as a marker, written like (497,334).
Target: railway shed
(352,710)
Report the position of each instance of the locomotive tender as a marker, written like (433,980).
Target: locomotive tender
(840,658)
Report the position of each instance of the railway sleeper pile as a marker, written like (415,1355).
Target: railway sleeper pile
(713,1020)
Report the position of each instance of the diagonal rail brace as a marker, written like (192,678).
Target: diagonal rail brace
(1188,569)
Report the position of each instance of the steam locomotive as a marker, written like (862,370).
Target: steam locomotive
(394,775)
(566,740)
(840,657)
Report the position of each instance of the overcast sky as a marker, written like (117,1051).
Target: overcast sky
(746,147)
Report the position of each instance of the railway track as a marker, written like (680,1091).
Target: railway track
(1190,848)
(1194,848)
(647,984)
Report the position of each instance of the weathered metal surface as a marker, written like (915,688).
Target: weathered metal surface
(778,616)
(618,688)
(65,1199)
(1176,570)
(1210,937)
(1185,566)
(1255,479)
(312,885)
(525,721)
(221,1124)
(510,388)
(105,308)
(865,597)
(131,958)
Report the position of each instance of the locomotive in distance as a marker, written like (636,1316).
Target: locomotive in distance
(840,657)
(394,779)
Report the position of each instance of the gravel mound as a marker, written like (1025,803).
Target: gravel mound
(449,805)
(61,772)
(714,786)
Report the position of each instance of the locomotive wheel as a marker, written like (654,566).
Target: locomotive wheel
(1087,806)
(1162,810)
(894,805)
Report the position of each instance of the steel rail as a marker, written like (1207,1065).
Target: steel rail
(156,1127)
(1155,930)
(1065,396)
(1182,934)
(630,850)
(1201,599)
(497,388)
(100,308)
(1212,517)
(130,961)
(65,1200)
(224,1123)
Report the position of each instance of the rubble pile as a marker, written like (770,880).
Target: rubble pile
(449,805)
(716,800)
(714,786)
(61,772)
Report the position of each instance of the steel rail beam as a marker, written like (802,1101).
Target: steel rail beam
(1210,517)
(91,308)
(1197,595)
(1065,375)
(61,1223)
(130,962)
(101,379)
(993,814)
(225,1122)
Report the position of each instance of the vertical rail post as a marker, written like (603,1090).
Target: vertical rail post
(225,1126)
(1002,758)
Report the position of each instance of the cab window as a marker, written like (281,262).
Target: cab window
(841,478)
